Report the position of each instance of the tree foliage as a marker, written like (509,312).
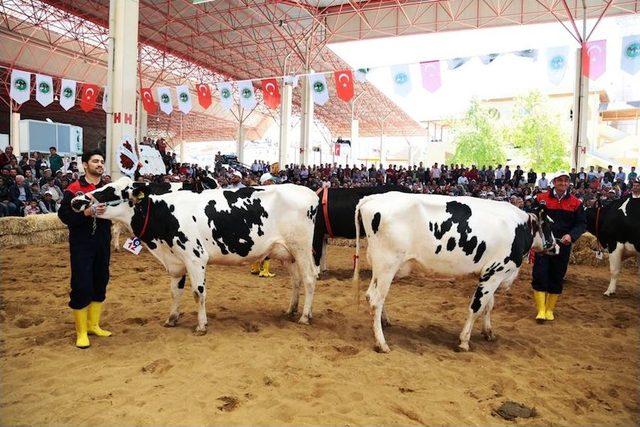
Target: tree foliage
(538,134)
(479,140)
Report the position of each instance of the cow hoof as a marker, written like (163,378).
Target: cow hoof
(462,348)
(489,336)
(170,322)
(304,320)
(200,331)
(384,348)
(608,294)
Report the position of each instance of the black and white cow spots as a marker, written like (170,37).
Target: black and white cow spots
(231,229)
(522,240)
(311,213)
(165,227)
(375,222)
(460,215)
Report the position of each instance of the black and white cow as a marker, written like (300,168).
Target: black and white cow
(446,235)
(207,182)
(335,219)
(617,227)
(185,231)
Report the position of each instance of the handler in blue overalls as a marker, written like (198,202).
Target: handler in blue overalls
(90,249)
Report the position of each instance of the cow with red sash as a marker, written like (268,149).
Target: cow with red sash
(335,219)
(569,223)
(89,246)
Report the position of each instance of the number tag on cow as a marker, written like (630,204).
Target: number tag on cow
(133,245)
(599,255)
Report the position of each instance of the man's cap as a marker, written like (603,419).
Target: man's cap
(266,177)
(561,173)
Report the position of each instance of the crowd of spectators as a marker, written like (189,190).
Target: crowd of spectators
(33,185)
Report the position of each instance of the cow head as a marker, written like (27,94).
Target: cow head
(543,238)
(119,198)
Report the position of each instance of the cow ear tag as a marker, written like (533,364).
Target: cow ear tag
(133,245)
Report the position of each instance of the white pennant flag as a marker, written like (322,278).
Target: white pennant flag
(291,80)
(20,86)
(44,89)
(401,79)
(164,99)
(361,74)
(184,98)
(319,88)
(105,99)
(557,61)
(247,94)
(67,94)
(226,95)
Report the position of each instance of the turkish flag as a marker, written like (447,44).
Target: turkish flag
(336,149)
(204,95)
(271,93)
(344,84)
(88,97)
(148,102)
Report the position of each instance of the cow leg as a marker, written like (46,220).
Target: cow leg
(385,318)
(323,257)
(487,332)
(115,237)
(177,287)
(197,279)
(479,302)
(615,265)
(308,278)
(295,289)
(376,297)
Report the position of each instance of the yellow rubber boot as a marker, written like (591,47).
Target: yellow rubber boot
(94,320)
(80,317)
(552,299)
(255,267)
(264,271)
(540,298)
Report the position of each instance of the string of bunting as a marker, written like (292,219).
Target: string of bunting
(556,58)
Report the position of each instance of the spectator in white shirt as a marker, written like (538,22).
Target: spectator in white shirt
(543,183)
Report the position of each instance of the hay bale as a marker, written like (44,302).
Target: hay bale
(29,224)
(583,253)
(32,230)
(351,243)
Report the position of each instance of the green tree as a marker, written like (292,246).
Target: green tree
(538,134)
(479,140)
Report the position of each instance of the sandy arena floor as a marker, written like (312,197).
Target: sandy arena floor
(256,367)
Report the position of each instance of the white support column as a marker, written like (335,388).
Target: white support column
(383,158)
(306,121)
(355,144)
(142,122)
(182,153)
(240,141)
(285,124)
(579,141)
(14,133)
(122,79)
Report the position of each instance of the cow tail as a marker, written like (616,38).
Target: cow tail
(356,257)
